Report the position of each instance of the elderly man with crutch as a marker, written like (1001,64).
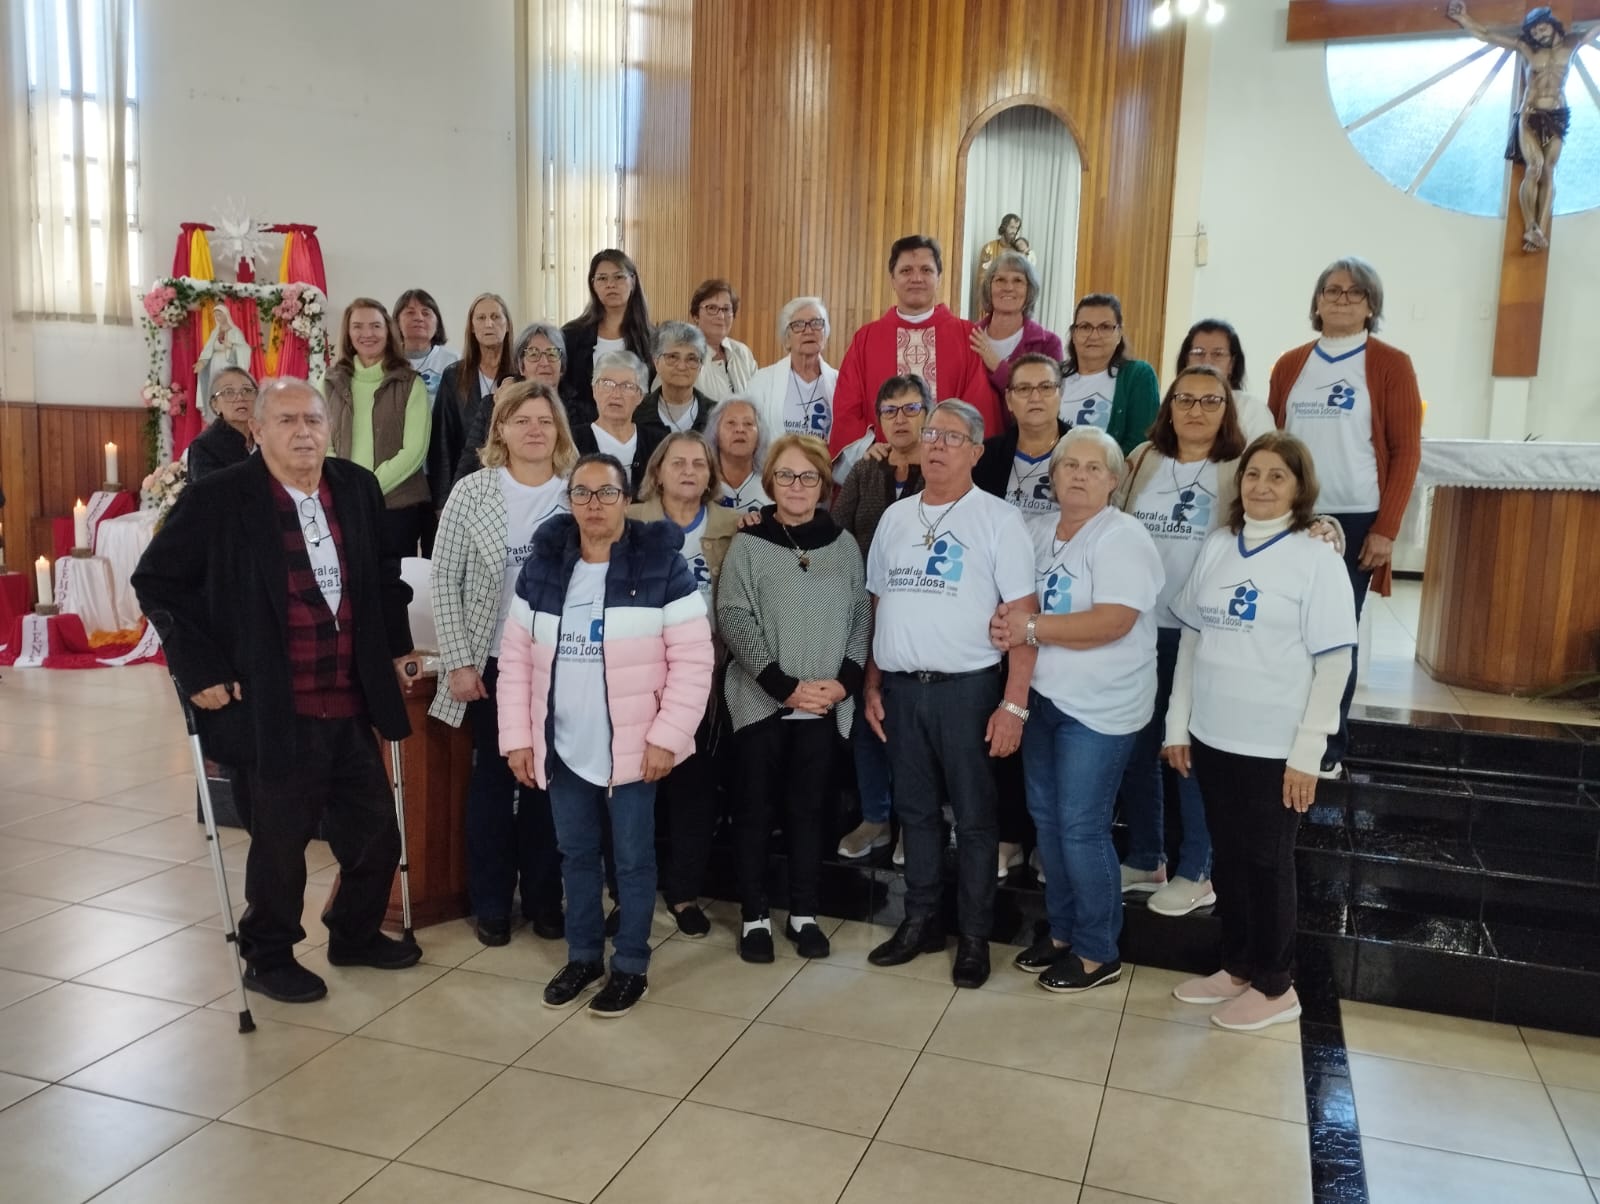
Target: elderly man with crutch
(285,624)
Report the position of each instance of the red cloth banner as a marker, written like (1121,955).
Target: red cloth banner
(60,642)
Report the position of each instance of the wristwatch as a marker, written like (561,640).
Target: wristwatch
(1012,708)
(1032,635)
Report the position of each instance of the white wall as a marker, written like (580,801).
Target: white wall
(1282,191)
(388,124)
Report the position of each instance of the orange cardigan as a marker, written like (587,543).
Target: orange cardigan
(1396,427)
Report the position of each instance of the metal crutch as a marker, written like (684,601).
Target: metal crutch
(230,932)
(398,774)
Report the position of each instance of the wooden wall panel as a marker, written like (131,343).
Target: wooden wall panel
(824,129)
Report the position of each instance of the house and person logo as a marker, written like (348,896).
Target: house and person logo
(1193,508)
(1055,590)
(1243,598)
(1091,410)
(817,420)
(945,557)
(701,572)
(1342,395)
(597,630)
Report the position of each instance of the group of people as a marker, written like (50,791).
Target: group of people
(1013,577)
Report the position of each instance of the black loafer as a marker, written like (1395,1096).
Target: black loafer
(692,922)
(548,924)
(1040,956)
(809,941)
(572,980)
(495,933)
(381,953)
(1068,977)
(910,939)
(755,946)
(619,995)
(972,963)
(291,983)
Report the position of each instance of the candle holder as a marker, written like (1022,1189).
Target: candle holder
(82,553)
(111,487)
(46,609)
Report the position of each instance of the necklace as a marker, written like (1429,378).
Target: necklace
(671,423)
(928,535)
(1020,493)
(800,557)
(1199,472)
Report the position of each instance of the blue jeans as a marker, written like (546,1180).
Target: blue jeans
(1072,773)
(578,807)
(1144,786)
(872,769)
(1356,528)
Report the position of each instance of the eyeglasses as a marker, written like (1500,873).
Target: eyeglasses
(608,495)
(609,387)
(1088,328)
(1332,292)
(721,311)
(1217,355)
(680,359)
(309,528)
(810,478)
(1094,468)
(549,355)
(910,409)
(948,438)
(235,393)
(1209,402)
(1048,389)
(801,325)
(609,278)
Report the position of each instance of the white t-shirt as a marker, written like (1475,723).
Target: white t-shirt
(1262,615)
(1086,399)
(1110,689)
(1029,489)
(694,557)
(485,385)
(1178,507)
(938,573)
(583,724)
(324,555)
(527,507)
(430,365)
(1008,344)
(747,497)
(683,423)
(805,408)
(601,346)
(622,451)
(1330,409)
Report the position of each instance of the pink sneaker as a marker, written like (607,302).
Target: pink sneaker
(1214,988)
(1253,1010)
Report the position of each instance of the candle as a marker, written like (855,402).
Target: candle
(80,524)
(41,577)
(111,463)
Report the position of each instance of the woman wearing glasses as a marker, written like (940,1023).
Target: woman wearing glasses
(675,404)
(616,319)
(605,669)
(1353,401)
(619,378)
(539,356)
(1181,486)
(1104,388)
(793,609)
(1213,343)
(1008,332)
(485,534)
(874,484)
(729,363)
(795,395)
(228,439)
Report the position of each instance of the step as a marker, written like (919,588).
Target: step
(1511,748)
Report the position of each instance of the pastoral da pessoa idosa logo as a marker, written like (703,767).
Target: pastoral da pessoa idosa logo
(936,568)
(1236,609)
(1055,590)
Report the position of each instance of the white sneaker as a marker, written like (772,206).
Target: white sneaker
(1180,896)
(1036,864)
(1143,882)
(1010,859)
(899,857)
(863,839)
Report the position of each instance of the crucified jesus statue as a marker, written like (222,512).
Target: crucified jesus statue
(1546,51)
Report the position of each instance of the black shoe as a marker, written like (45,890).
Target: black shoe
(291,983)
(619,995)
(809,941)
(911,938)
(692,921)
(972,963)
(614,920)
(494,933)
(755,946)
(1068,977)
(548,924)
(1040,955)
(572,980)
(381,953)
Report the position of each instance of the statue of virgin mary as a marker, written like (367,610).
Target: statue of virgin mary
(226,348)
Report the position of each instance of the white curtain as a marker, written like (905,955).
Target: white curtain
(71,155)
(572,149)
(1025,162)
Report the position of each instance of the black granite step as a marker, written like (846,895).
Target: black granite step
(1506,748)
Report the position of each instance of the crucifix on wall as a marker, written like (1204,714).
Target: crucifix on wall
(1523,271)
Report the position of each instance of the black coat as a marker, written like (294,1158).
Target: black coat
(214,584)
(578,376)
(218,446)
(993,472)
(448,450)
(583,438)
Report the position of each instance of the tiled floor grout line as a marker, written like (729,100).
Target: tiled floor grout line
(1566,1132)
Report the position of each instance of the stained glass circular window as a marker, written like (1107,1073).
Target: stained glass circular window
(1433,117)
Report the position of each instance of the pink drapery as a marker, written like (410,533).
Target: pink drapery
(187,339)
(301,263)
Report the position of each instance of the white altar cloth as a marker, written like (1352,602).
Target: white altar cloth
(120,542)
(1496,464)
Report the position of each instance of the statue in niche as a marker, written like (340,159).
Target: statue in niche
(1010,240)
(1539,127)
(226,348)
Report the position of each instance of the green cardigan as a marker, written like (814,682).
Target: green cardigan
(1134,403)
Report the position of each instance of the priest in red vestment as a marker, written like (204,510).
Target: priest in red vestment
(918,337)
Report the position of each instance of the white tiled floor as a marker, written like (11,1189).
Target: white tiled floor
(122,1077)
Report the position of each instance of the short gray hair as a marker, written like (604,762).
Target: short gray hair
(216,381)
(1365,276)
(794,306)
(1110,450)
(714,427)
(678,334)
(529,332)
(1011,261)
(275,386)
(968,414)
(625,360)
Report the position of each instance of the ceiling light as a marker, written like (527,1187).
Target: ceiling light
(1215,12)
(1162,16)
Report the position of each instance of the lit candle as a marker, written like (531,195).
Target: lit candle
(41,577)
(80,524)
(111,463)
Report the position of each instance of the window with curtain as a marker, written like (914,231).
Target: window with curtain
(573,69)
(75,160)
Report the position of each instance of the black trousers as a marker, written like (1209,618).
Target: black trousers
(686,805)
(791,760)
(337,779)
(1252,837)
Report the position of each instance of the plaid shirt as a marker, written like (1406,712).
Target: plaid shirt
(321,646)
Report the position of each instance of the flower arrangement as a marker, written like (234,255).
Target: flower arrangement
(162,305)
(163,486)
